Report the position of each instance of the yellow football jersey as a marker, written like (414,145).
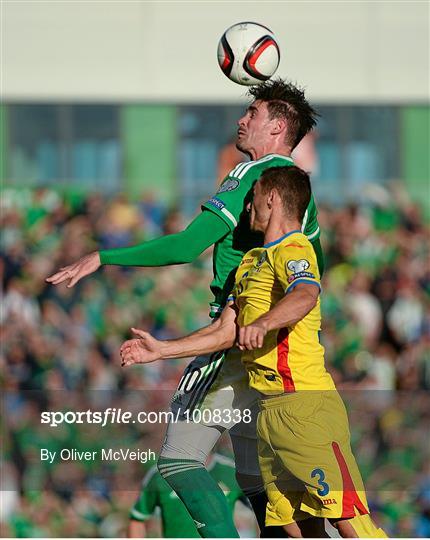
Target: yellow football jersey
(291,359)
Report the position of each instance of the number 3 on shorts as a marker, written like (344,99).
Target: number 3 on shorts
(321,477)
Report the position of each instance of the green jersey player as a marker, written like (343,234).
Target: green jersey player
(274,123)
(176,522)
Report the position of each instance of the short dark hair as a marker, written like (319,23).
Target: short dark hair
(294,188)
(285,100)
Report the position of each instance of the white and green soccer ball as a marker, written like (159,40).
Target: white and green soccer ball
(248,53)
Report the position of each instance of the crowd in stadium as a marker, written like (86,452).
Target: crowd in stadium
(61,350)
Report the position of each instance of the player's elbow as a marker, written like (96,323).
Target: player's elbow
(306,300)
(309,299)
(312,292)
(309,293)
(193,251)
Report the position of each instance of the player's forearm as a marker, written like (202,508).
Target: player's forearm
(162,251)
(291,309)
(179,248)
(217,336)
(211,340)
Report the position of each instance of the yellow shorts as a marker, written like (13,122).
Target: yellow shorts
(305,458)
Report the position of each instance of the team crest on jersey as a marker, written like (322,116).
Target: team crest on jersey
(262,259)
(228,185)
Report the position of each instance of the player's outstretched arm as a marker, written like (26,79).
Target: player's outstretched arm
(216,337)
(290,310)
(206,229)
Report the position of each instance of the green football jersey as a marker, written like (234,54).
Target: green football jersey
(176,521)
(229,203)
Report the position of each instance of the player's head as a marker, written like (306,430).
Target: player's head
(283,189)
(281,110)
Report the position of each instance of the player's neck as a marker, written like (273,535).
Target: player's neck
(272,148)
(279,226)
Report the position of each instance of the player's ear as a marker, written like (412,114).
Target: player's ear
(271,197)
(279,125)
(274,197)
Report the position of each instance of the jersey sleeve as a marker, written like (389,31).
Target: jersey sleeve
(230,199)
(178,248)
(294,264)
(310,225)
(148,499)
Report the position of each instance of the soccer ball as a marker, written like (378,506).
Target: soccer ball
(248,53)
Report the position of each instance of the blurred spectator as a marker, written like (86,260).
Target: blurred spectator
(153,212)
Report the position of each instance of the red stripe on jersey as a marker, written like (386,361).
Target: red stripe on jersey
(253,60)
(350,499)
(282,365)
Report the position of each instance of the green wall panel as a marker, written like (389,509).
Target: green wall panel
(149,142)
(416,153)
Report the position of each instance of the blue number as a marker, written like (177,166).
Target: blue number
(321,477)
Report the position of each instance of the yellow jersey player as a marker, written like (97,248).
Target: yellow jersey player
(306,461)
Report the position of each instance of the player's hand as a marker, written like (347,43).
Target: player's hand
(252,336)
(76,271)
(143,350)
